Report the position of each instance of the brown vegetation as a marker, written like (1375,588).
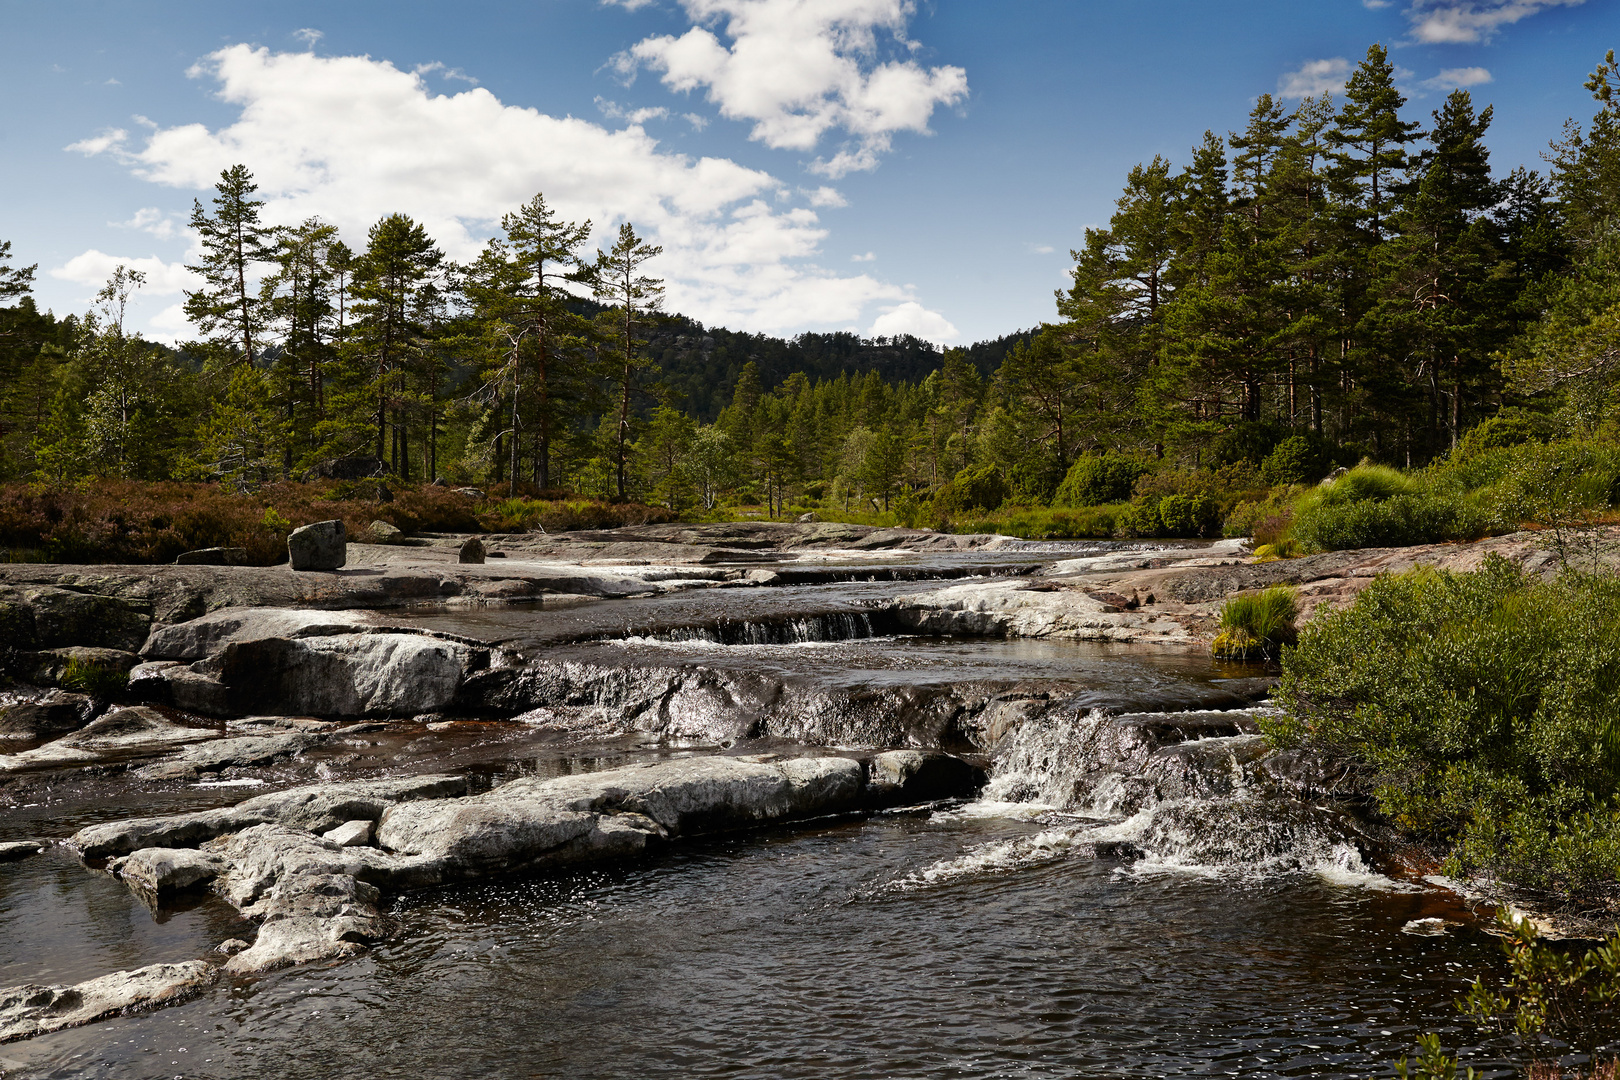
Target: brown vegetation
(115,521)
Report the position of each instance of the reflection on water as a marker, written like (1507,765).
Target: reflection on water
(786,955)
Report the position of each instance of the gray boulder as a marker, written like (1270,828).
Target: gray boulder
(16,622)
(241,752)
(351,833)
(12,850)
(54,714)
(472,551)
(30,1010)
(214,556)
(320,546)
(380,532)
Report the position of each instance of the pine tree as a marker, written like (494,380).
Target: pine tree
(632,296)
(228,309)
(395,298)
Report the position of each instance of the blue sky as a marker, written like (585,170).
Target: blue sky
(877,165)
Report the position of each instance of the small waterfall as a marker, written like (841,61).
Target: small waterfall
(1187,792)
(831,626)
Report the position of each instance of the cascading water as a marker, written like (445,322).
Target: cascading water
(831,626)
(1149,787)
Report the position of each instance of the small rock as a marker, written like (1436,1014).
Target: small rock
(160,872)
(439,481)
(213,556)
(806,519)
(496,554)
(351,833)
(472,551)
(20,849)
(470,492)
(232,946)
(319,546)
(380,532)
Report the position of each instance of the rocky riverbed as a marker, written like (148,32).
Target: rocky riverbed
(309,748)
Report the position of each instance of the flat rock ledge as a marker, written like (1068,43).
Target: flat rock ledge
(29,1010)
(317,896)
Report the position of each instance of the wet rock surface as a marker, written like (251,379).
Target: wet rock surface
(30,1010)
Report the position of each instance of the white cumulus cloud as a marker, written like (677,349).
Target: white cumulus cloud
(350,139)
(914,319)
(1454,78)
(1463,22)
(800,69)
(92,269)
(1314,78)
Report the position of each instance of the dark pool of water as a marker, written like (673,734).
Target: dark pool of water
(815,953)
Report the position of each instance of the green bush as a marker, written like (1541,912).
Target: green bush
(1257,625)
(981,488)
(1097,479)
(1189,515)
(1298,459)
(1140,517)
(1395,522)
(1481,711)
(1540,483)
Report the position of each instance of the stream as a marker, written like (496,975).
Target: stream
(1056,925)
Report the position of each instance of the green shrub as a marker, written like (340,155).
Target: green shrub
(1140,517)
(1542,483)
(1367,481)
(1189,515)
(1510,427)
(981,488)
(1481,711)
(1298,459)
(1399,521)
(1287,548)
(1094,480)
(1257,625)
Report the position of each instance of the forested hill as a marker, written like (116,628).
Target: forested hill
(699,365)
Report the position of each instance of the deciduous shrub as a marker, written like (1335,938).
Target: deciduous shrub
(1481,711)
(980,488)
(1097,479)
(1189,515)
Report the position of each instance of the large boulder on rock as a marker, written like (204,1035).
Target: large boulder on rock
(915,776)
(31,1009)
(472,551)
(381,532)
(68,617)
(319,546)
(56,713)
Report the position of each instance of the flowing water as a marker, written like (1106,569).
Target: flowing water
(1166,917)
